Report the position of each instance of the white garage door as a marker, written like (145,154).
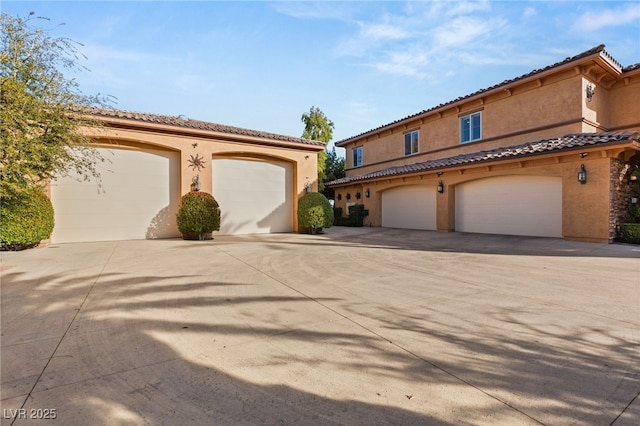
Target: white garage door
(411,207)
(255,197)
(512,205)
(138,198)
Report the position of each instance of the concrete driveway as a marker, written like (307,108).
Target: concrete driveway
(356,327)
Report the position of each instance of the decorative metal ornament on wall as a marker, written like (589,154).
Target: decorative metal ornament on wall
(196,162)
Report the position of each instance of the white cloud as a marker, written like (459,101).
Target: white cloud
(597,19)
(315,10)
(463,30)
(382,32)
(529,12)
(456,8)
(370,37)
(407,41)
(411,63)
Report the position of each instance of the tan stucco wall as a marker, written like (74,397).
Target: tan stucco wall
(585,208)
(551,106)
(528,114)
(303,159)
(624,103)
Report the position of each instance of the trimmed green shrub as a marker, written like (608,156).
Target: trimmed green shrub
(25,220)
(198,215)
(337,215)
(314,212)
(634,212)
(630,233)
(355,218)
(356,214)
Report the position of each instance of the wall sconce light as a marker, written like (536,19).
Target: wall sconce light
(358,195)
(583,154)
(339,197)
(367,193)
(582,175)
(195,183)
(589,91)
(440,187)
(348,195)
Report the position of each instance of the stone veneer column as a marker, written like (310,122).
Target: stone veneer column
(619,197)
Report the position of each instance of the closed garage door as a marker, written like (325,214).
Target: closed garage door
(255,196)
(511,205)
(137,199)
(411,207)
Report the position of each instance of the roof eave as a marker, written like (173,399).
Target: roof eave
(633,143)
(150,126)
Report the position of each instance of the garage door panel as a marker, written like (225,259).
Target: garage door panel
(255,196)
(511,205)
(137,197)
(410,207)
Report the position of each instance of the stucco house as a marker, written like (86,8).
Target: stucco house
(152,160)
(548,154)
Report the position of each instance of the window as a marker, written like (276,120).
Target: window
(357,156)
(349,205)
(470,127)
(411,143)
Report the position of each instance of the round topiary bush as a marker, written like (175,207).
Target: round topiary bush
(314,212)
(198,215)
(25,220)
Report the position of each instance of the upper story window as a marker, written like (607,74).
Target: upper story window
(411,143)
(470,127)
(357,156)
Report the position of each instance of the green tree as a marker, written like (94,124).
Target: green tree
(41,111)
(318,127)
(335,166)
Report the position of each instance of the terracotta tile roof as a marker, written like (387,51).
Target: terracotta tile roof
(598,49)
(188,123)
(632,67)
(567,142)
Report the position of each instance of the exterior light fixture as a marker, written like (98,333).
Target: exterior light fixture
(195,183)
(582,175)
(440,187)
(358,195)
(367,193)
(348,195)
(589,91)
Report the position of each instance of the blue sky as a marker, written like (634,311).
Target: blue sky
(260,65)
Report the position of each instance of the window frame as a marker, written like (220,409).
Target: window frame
(470,127)
(356,153)
(409,142)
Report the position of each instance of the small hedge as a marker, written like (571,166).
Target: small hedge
(25,220)
(355,218)
(198,215)
(314,212)
(630,233)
